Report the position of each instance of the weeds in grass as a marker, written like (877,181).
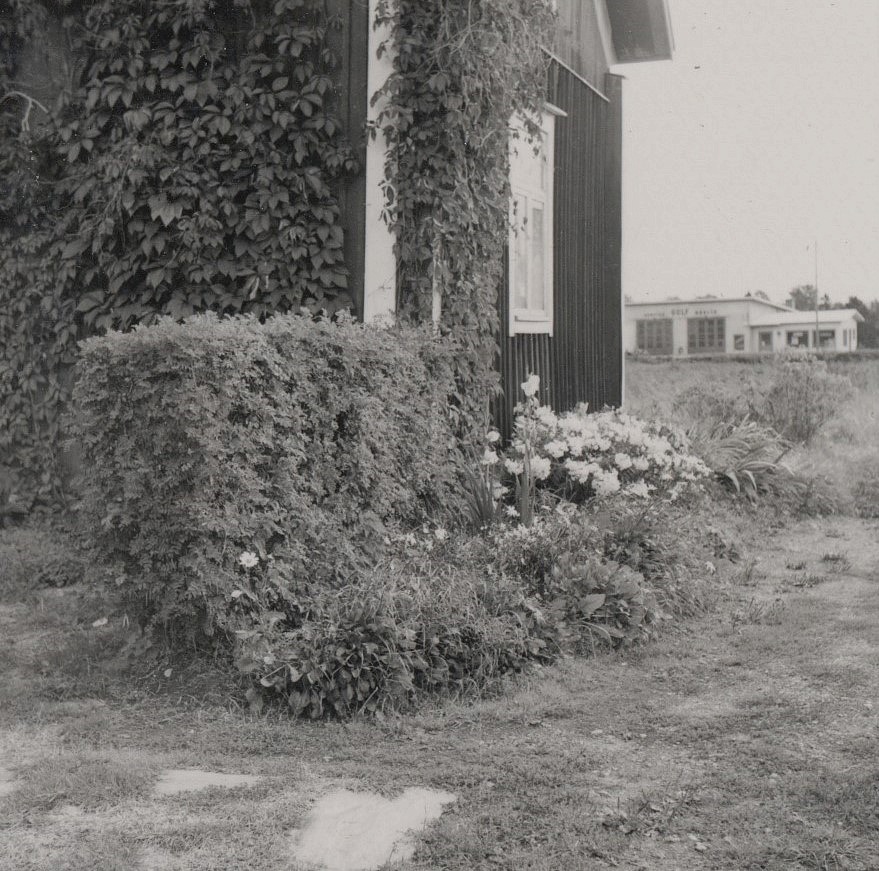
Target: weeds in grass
(87,781)
(760,613)
(809,580)
(37,555)
(747,576)
(837,562)
(795,565)
(77,663)
(657,811)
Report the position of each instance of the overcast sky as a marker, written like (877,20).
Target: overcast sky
(761,136)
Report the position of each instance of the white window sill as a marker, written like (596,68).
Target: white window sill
(523,323)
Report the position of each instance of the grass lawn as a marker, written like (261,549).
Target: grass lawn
(744,740)
(845,452)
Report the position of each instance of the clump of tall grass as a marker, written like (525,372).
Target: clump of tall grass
(802,397)
(746,457)
(865,493)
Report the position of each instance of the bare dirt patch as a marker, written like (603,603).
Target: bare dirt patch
(361,831)
(178,780)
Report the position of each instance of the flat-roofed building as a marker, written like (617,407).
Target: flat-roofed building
(739,325)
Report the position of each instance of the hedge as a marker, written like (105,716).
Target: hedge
(227,457)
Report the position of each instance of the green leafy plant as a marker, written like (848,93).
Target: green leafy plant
(231,455)
(190,162)
(461,71)
(747,459)
(744,456)
(483,491)
(594,598)
(389,636)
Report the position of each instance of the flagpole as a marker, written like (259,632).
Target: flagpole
(817,327)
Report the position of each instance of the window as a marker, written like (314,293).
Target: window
(765,341)
(798,338)
(706,335)
(654,336)
(531,228)
(828,339)
(738,343)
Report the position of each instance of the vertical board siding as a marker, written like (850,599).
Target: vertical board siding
(582,361)
(350,42)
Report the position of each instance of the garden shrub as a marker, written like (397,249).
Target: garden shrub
(866,492)
(447,617)
(265,458)
(708,405)
(660,541)
(802,397)
(380,640)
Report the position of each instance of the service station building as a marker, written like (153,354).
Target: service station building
(743,325)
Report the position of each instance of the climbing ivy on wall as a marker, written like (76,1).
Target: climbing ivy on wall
(188,164)
(461,70)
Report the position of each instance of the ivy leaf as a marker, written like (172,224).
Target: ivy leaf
(163,210)
(91,301)
(74,248)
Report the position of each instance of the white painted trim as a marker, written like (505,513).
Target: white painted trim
(380,266)
(536,321)
(556,59)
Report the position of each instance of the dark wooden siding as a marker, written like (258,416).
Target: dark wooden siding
(582,361)
(350,42)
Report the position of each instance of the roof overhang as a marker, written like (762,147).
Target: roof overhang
(640,30)
(798,318)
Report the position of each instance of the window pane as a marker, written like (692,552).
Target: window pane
(520,258)
(538,277)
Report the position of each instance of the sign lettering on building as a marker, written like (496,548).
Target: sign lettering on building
(680,312)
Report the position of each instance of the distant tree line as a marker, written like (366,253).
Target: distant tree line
(802,298)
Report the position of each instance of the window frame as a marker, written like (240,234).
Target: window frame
(530,320)
(820,336)
(702,329)
(655,336)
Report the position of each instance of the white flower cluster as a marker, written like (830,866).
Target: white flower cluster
(603,453)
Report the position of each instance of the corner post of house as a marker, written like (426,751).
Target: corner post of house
(380,267)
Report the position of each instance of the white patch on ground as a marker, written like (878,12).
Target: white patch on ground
(176,780)
(7,781)
(68,811)
(154,859)
(361,831)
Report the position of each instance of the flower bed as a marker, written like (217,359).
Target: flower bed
(578,457)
